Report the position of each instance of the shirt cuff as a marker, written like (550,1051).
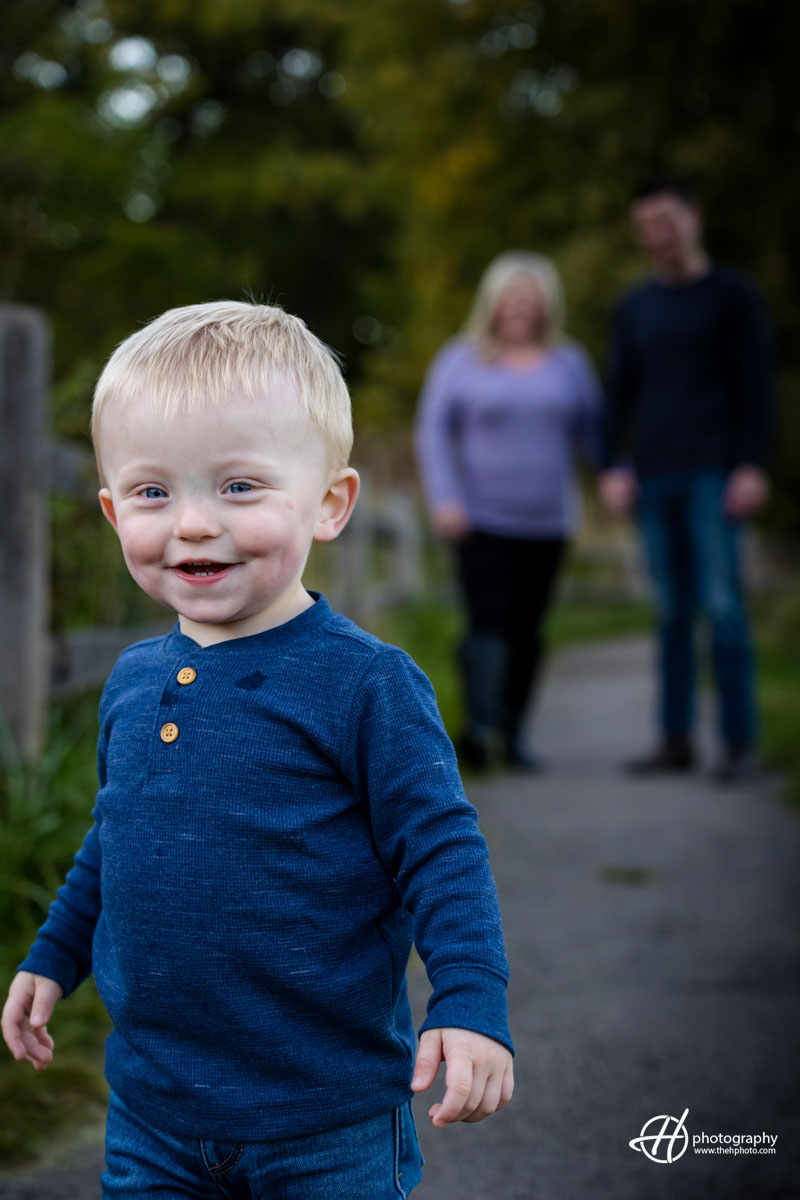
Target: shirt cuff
(470,998)
(54,963)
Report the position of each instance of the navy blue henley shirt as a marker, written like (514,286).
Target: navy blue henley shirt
(248,893)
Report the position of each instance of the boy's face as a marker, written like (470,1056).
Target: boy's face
(216,511)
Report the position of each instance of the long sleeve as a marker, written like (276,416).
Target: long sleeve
(427,836)
(587,428)
(750,344)
(623,379)
(63,946)
(437,429)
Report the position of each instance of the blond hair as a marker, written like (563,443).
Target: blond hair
(196,357)
(502,272)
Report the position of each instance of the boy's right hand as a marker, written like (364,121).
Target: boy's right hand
(30,1004)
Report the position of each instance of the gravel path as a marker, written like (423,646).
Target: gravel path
(652,932)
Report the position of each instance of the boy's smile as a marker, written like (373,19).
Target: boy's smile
(197,572)
(216,510)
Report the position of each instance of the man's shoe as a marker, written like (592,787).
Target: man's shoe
(674,754)
(739,764)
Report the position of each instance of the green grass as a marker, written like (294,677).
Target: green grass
(777,621)
(574,623)
(44,814)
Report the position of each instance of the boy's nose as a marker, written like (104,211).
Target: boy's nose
(195,520)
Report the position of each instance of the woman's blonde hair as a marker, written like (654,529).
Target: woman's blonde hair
(198,357)
(503,271)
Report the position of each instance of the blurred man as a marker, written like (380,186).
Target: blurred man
(690,405)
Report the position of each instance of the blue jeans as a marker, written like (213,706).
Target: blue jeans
(377,1159)
(693,550)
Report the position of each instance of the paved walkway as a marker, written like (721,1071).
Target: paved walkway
(652,931)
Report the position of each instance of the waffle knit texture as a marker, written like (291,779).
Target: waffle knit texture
(248,893)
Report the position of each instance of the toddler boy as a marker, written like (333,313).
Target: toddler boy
(279,811)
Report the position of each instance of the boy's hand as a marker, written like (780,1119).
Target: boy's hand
(479,1077)
(30,1004)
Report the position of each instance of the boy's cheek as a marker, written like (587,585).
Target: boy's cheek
(280,534)
(140,555)
(141,576)
(138,541)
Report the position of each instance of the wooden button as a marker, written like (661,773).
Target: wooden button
(169,732)
(186,675)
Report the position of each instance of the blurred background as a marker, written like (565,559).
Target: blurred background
(360,164)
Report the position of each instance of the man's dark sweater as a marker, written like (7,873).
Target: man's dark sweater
(690,374)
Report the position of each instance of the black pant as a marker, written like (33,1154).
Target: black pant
(507,584)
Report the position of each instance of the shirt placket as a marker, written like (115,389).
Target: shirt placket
(174,727)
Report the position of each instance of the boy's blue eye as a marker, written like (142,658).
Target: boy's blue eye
(154,493)
(240,487)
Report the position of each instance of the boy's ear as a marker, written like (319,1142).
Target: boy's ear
(337,504)
(107,505)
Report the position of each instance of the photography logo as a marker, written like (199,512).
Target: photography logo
(663,1139)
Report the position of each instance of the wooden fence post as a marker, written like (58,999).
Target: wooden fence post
(24,485)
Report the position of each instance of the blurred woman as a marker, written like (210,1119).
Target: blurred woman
(504,409)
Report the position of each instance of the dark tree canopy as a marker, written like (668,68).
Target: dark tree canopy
(360,163)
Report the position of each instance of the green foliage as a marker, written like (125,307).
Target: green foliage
(45,812)
(362,163)
(40,1109)
(503,124)
(198,162)
(778,626)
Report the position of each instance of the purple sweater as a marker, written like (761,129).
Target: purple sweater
(502,441)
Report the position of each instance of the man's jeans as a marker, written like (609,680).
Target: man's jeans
(377,1159)
(693,553)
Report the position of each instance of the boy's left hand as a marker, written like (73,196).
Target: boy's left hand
(479,1077)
